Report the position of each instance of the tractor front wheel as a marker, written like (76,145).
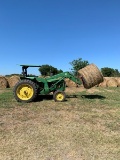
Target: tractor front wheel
(25,91)
(59,96)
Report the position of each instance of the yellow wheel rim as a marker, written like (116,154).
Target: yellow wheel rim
(59,97)
(24,92)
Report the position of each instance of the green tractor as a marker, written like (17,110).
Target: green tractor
(29,87)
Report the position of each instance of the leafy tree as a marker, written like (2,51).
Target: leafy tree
(116,73)
(110,72)
(47,70)
(60,71)
(78,64)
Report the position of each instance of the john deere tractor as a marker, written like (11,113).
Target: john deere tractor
(29,87)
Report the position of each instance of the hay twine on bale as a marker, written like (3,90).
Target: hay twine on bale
(112,82)
(91,76)
(3,82)
(13,80)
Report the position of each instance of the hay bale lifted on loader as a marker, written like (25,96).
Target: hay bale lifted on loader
(90,76)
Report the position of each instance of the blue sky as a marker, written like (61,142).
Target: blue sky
(56,32)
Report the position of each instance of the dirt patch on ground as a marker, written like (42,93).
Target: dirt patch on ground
(109,90)
(75,89)
(92,90)
(81,89)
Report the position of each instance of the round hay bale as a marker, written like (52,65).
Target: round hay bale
(70,83)
(112,82)
(13,80)
(67,82)
(118,81)
(3,82)
(90,76)
(107,78)
(103,84)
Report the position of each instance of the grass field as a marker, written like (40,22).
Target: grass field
(84,127)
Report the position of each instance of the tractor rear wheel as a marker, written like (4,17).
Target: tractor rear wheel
(59,96)
(25,91)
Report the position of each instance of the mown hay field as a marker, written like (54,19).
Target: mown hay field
(84,127)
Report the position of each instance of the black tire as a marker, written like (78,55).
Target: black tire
(25,91)
(59,96)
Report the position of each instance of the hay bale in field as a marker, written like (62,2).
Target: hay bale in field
(3,82)
(67,82)
(13,80)
(70,83)
(112,83)
(103,84)
(90,75)
(107,78)
(118,81)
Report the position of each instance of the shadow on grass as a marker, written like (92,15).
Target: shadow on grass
(93,96)
(43,97)
(87,96)
(50,97)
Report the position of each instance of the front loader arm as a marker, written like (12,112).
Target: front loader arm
(64,75)
(73,78)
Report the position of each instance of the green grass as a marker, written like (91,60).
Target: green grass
(84,127)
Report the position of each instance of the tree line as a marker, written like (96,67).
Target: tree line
(106,71)
(76,65)
(48,70)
